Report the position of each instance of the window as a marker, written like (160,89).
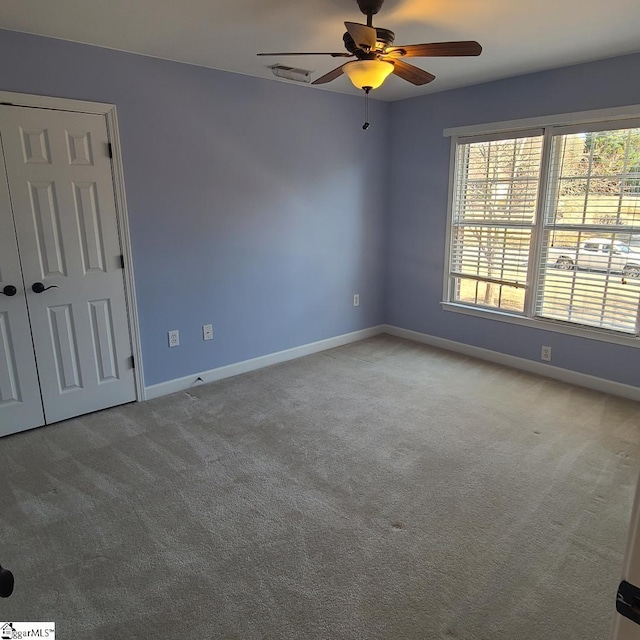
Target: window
(544,225)
(494,212)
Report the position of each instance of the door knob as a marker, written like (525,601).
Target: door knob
(9,290)
(6,583)
(38,287)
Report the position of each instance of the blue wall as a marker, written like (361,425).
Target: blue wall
(418,206)
(254,205)
(261,207)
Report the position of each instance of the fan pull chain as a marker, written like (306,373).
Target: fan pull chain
(366,124)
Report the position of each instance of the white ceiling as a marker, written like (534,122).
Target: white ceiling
(518,36)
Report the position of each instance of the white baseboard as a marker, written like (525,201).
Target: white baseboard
(557,373)
(195,379)
(539,368)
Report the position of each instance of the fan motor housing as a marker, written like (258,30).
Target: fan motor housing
(384,37)
(370,6)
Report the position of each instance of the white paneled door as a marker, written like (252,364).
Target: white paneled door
(59,200)
(20,403)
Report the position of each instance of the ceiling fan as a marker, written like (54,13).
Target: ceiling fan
(377,56)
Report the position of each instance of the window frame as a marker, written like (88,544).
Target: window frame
(563,124)
(523,133)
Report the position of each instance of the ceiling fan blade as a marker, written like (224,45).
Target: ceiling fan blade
(308,53)
(436,49)
(410,73)
(364,37)
(328,77)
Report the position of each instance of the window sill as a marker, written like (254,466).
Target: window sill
(545,325)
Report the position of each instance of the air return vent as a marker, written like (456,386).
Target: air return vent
(291,73)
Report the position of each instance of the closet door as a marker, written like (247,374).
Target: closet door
(20,401)
(59,177)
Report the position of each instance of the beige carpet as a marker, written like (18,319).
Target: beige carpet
(382,490)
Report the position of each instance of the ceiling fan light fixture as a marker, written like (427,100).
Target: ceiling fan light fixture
(367,73)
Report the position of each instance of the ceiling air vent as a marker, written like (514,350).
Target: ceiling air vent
(291,73)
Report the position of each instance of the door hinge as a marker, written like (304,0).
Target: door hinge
(132,362)
(122,261)
(110,149)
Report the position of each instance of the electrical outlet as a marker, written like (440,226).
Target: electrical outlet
(207,332)
(545,354)
(174,338)
(356,299)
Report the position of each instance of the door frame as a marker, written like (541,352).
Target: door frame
(624,629)
(109,112)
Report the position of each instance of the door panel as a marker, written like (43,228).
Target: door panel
(20,402)
(59,174)
(46,225)
(65,347)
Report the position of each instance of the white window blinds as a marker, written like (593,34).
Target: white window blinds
(590,250)
(494,211)
(573,257)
